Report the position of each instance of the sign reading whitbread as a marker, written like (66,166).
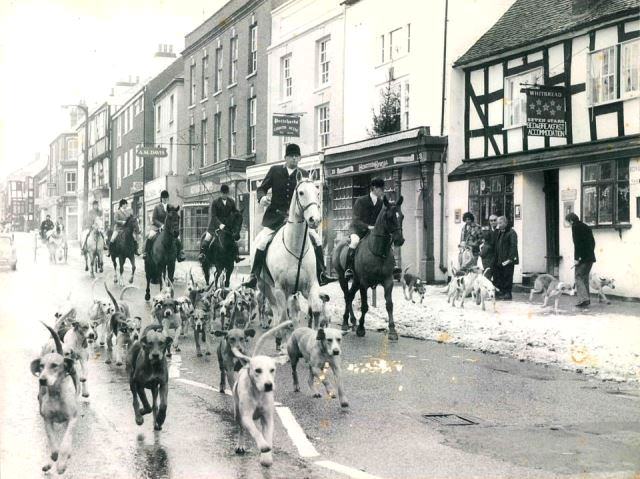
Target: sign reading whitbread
(546,112)
(286,125)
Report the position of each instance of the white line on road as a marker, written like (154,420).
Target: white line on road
(347,471)
(210,388)
(297,435)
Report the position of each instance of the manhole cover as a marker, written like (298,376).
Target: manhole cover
(449,419)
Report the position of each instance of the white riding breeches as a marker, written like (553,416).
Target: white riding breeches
(354,239)
(152,234)
(263,238)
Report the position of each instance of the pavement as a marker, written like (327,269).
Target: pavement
(516,419)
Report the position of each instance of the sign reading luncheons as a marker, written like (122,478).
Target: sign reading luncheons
(286,125)
(546,112)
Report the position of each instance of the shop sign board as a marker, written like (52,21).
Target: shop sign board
(546,112)
(286,125)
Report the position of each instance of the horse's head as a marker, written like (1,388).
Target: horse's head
(133,224)
(172,221)
(392,216)
(306,200)
(98,224)
(235,222)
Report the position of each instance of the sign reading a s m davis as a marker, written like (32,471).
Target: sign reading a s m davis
(286,125)
(546,112)
(151,151)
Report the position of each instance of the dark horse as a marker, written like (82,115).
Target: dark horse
(123,248)
(160,263)
(221,253)
(373,265)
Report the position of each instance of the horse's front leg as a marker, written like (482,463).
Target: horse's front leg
(388,290)
(120,279)
(132,260)
(86,262)
(363,310)
(227,279)
(115,269)
(355,286)
(147,293)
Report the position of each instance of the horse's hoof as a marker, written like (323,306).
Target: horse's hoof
(147,297)
(345,327)
(115,280)
(157,427)
(86,268)
(360,331)
(46,467)
(208,353)
(119,363)
(178,350)
(85,395)
(139,420)
(146,410)
(108,361)
(392,335)
(239,451)
(199,355)
(54,456)
(131,281)
(317,395)
(344,404)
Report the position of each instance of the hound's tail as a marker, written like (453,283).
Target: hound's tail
(272,331)
(124,290)
(93,286)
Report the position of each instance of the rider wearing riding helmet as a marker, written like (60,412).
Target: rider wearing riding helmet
(89,219)
(122,214)
(365,213)
(220,212)
(158,217)
(282,181)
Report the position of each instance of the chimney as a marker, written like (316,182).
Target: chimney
(580,7)
(165,50)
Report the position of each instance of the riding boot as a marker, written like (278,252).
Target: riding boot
(204,247)
(321,270)
(351,256)
(258,263)
(181,257)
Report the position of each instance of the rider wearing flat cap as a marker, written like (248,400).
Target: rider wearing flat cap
(281,180)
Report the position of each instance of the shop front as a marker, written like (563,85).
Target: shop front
(256,174)
(201,189)
(410,163)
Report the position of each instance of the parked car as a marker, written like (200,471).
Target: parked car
(8,251)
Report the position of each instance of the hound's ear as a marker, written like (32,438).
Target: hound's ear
(320,336)
(385,201)
(177,208)
(250,332)
(324,297)
(36,367)
(75,325)
(399,203)
(144,342)
(218,333)
(68,365)
(57,315)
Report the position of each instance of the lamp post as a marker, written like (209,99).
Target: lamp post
(85,176)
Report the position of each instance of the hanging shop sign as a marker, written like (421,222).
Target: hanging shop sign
(546,112)
(151,151)
(286,125)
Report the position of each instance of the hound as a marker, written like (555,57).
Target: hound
(58,402)
(231,349)
(253,399)
(551,288)
(318,348)
(597,283)
(463,286)
(76,340)
(126,330)
(185,308)
(484,290)
(412,284)
(165,312)
(147,369)
(199,320)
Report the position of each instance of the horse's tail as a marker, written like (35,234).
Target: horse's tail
(272,331)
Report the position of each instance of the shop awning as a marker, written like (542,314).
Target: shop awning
(550,158)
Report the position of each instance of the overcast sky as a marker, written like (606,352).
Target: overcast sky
(54,52)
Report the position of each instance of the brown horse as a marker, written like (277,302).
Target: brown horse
(160,263)
(373,265)
(221,254)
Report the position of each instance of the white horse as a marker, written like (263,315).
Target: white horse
(95,245)
(278,279)
(55,245)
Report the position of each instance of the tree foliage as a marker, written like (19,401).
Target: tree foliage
(387,119)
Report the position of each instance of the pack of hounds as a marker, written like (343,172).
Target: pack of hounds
(210,312)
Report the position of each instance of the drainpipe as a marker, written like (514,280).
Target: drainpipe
(443,266)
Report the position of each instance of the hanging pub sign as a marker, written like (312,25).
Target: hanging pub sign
(546,112)
(286,125)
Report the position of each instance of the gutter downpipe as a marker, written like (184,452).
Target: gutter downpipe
(443,267)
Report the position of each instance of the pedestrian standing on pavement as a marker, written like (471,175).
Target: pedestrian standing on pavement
(506,259)
(470,237)
(488,246)
(584,256)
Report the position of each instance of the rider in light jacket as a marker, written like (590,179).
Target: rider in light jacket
(282,181)
(89,219)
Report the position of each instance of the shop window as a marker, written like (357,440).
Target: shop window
(196,220)
(605,193)
(491,195)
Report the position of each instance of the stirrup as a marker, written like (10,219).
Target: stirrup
(348,274)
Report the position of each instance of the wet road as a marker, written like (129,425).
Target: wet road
(531,421)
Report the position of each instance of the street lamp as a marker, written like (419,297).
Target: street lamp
(85,179)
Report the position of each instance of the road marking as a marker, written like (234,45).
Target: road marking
(211,388)
(297,435)
(347,471)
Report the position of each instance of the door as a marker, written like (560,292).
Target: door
(552,215)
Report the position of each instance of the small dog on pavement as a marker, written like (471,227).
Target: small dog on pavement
(317,347)
(231,349)
(484,290)
(58,402)
(463,285)
(253,399)
(551,288)
(597,283)
(412,284)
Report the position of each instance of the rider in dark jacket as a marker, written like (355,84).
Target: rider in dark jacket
(158,217)
(220,212)
(46,225)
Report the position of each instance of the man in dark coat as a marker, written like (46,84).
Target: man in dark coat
(220,212)
(506,259)
(365,213)
(282,181)
(158,217)
(46,225)
(488,247)
(584,256)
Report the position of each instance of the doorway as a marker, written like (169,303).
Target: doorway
(552,216)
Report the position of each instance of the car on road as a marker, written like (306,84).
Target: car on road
(8,251)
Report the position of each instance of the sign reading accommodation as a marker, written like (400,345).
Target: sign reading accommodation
(546,112)
(151,151)
(286,125)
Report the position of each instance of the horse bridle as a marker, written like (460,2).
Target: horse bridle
(388,234)
(299,204)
